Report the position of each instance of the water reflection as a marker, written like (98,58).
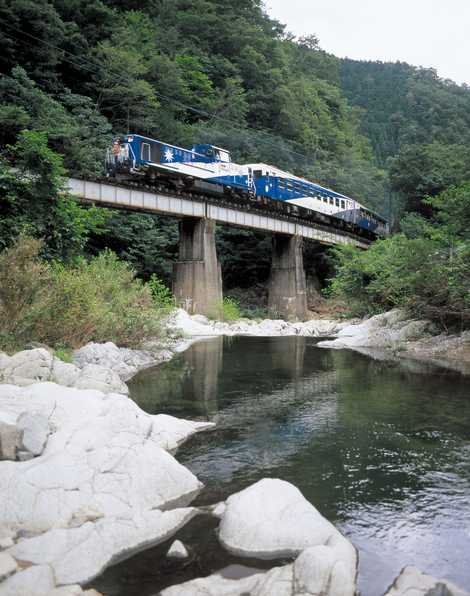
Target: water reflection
(381,448)
(188,382)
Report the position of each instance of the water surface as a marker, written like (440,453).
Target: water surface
(381,448)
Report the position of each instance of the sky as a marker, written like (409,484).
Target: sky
(429,33)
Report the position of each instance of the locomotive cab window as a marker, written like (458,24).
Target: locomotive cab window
(223,155)
(145,152)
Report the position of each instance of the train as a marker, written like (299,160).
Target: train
(209,169)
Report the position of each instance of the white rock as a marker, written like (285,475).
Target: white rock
(94,376)
(102,456)
(64,373)
(199,326)
(10,441)
(123,361)
(6,542)
(77,555)
(186,324)
(272,519)
(177,551)
(98,490)
(35,429)
(218,510)
(74,590)
(412,582)
(315,572)
(169,432)
(7,537)
(8,566)
(33,581)
(28,366)
(387,330)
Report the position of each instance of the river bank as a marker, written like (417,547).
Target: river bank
(394,335)
(92,480)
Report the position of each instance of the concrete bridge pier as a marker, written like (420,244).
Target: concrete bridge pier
(287,286)
(197,276)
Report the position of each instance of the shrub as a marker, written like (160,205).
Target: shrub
(69,305)
(230,310)
(162,296)
(25,283)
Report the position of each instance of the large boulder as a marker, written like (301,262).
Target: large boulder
(94,376)
(27,367)
(412,582)
(271,519)
(123,361)
(104,487)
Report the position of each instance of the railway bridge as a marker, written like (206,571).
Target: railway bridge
(197,278)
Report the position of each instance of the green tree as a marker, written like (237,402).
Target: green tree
(33,200)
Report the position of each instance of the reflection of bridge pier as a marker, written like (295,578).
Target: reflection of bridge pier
(197,277)
(204,360)
(288,356)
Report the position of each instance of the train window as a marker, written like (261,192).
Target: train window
(343,204)
(332,201)
(325,199)
(224,156)
(337,202)
(145,152)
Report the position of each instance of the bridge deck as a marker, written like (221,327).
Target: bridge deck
(116,196)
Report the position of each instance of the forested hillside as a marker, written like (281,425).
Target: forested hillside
(76,72)
(405,105)
(183,71)
(419,127)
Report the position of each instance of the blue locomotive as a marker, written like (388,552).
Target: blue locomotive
(209,168)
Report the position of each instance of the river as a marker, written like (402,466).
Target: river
(381,448)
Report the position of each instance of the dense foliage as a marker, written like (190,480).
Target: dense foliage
(425,269)
(33,200)
(66,306)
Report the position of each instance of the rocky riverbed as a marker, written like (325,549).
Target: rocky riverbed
(88,479)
